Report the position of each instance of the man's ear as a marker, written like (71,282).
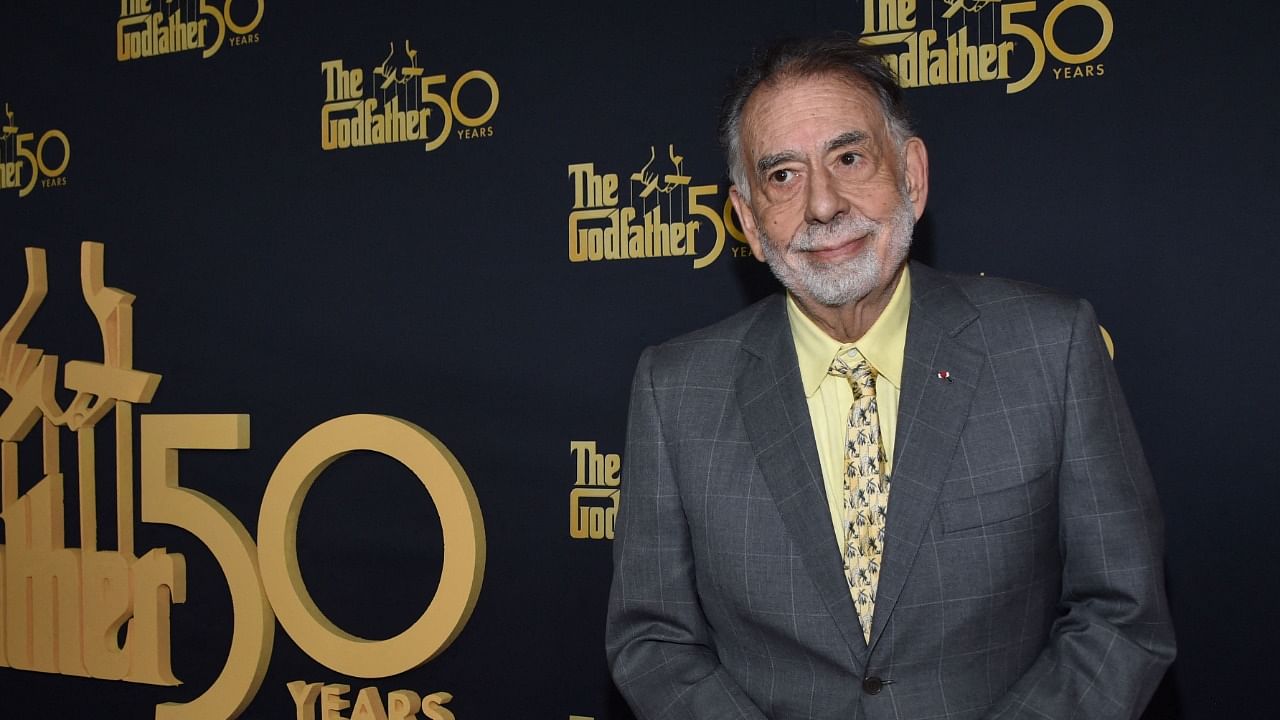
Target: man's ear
(747,221)
(917,171)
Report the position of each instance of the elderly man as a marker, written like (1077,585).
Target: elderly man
(890,492)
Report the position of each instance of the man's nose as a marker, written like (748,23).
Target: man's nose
(824,202)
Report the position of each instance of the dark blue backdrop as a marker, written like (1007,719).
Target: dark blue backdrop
(297,284)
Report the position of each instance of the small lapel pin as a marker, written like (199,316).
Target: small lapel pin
(944,375)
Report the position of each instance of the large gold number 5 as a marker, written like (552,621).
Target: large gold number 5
(441,102)
(213,12)
(696,192)
(165,502)
(1009,27)
(31,160)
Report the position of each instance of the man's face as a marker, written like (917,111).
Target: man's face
(833,198)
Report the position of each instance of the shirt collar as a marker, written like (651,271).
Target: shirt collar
(883,345)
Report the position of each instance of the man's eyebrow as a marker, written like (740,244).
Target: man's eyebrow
(768,162)
(853,137)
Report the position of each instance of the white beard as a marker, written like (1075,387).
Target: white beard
(840,283)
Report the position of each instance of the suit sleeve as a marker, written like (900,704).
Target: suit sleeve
(657,638)
(1113,640)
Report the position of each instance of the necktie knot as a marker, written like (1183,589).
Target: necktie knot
(851,366)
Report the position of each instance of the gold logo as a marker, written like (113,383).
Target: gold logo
(147,28)
(21,167)
(659,219)
(593,502)
(401,103)
(62,608)
(952,50)
(330,699)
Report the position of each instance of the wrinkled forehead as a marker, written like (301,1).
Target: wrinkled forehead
(786,91)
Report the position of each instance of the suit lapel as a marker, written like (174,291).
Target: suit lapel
(931,414)
(776,417)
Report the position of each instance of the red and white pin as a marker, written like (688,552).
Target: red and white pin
(944,375)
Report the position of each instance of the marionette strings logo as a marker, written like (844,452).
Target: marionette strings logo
(947,42)
(397,101)
(26,159)
(64,607)
(147,28)
(659,212)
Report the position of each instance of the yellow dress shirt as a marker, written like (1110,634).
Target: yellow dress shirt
(830,397)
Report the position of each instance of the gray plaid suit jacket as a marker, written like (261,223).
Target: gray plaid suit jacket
(1022,575)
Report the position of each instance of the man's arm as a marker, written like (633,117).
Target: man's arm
(657,638)
(1114,639)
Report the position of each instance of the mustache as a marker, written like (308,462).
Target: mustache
(828,235)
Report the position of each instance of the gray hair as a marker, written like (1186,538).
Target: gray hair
(839,55)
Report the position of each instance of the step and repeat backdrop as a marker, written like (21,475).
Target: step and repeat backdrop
(319,320)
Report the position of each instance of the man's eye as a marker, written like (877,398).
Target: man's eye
(781,176)
(849,158)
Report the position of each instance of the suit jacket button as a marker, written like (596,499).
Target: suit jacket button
(872,685)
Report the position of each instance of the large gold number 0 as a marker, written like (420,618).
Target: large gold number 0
(66,153)
(247,27)
(460,520)
(493,98)
(1108,27)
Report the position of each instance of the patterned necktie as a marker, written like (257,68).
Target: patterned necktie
(866,489)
